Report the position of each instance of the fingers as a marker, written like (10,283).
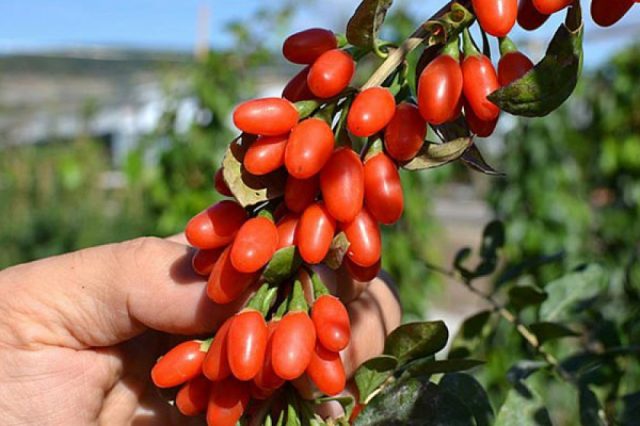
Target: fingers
(374,315)
(107,294)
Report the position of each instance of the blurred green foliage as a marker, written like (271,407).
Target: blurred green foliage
(573,189)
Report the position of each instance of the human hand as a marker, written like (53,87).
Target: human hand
(80,332)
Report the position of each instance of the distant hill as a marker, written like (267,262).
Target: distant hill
(95,62)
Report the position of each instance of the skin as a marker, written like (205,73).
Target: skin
(80,332)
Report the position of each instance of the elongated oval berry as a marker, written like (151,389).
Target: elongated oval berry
(371,111)
(342,184)
(287,227)
(266,116)
(607,12)
(267,379)
(362,273)
(363,233)
(246,344)
(331,320)
(440,89)
(480,80)
(216,226)
(512,66)
(293,344)
(315,233)
(193,396)
(226,283)
(481,128)
(306,46)
(254,245)
(179,365)
(327,371)
(220,185)
(300,193)
(405,133)
(216,363)
(496,17)
(530,18)
(309,148)
(228,400)
(203,261)
(331,73)
(549,7)
(265,155)
(297,88)
(382,189)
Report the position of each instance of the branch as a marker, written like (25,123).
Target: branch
(397,56)
(521,328)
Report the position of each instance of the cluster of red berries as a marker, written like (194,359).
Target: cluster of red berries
(250,358)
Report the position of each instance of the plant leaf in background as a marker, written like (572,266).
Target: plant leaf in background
(523,407)
(436,155)
(415,402)
(373,373)
(471,393)
(416,340)
(363,27)
(546,87)
(566,292)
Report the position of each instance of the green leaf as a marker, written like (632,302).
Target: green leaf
(526,295)
(493,239)
(373,373)
(472,395)
(363,27)
(249,189)
(292,416)
(471,330)
(435,155)
(527,266)
(630,408)
(284,263)
(591,413)
(566,292)
(348,403)
(414,402)
(337,251)
(546,331)
(427,367)
(551,82)
(523,369)
(523,407)
(416,340)
(473,159)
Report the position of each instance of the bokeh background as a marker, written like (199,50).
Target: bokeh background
(114,116)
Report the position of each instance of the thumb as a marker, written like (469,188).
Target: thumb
(108,294)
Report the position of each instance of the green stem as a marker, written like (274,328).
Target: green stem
(506,314)
(507,46)
(469,47)
(257,301)
(298,301)
(319,289)
(282,309)
(452,48)
(205,344)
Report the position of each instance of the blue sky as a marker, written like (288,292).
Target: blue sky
(42,24)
